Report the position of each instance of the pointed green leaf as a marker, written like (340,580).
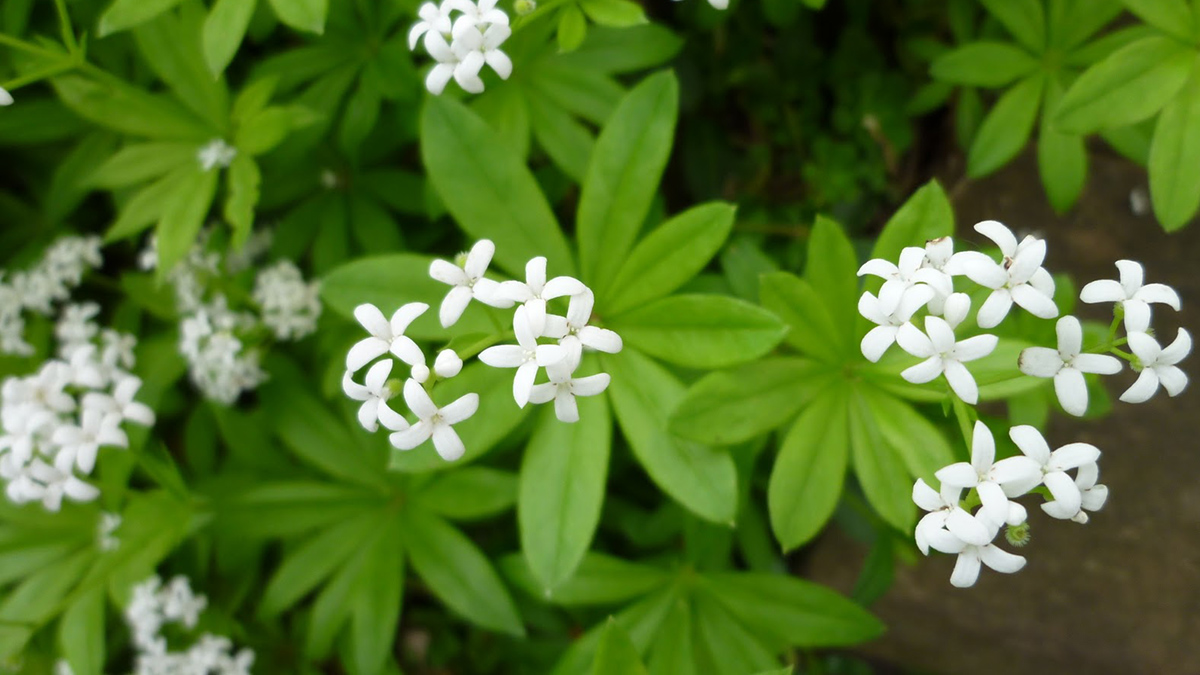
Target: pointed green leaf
(1072,22)
(984,64)
(623,176)
(458,573)
(567,141)
(669,256)
(305,15)
(572,28)
(332,607)
(375,614)
(171,47)
(723,644)
(183,214)
(122,107)
(1006,129)
(1062,157)
(81,633)
(562,489)
(921,444)
(243,179)
(469,493)
(643,393)
(223,31)
(599,580)
(927,214)
(807,478)
(1127,87)
(310,563)
(700,331)
(732,406)
(622,50)
(124,14)
(879,468)
(1024,19)
(615,13)
(1173,17)
(141,162)
(146,207)
(832,270)
(487,188)
(811,328)
(1175,158)
(673,650)
(615,654)
(263,130)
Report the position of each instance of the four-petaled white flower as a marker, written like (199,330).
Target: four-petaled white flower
(461,46)
(1020,278)
(908,274)
(526,356)
(81,443)
(1092,496)
(943,354)
(374,395)
(535,291)
(1053,467)
(563,388)
(1067,365)
(1131,294)
(970,557)
(434,19)
(468,282)
(573,331)
(121,403)
(995,481)
(434,422)
(1158,366)
(883,335)
(52,484)
(386,336)
(946,518)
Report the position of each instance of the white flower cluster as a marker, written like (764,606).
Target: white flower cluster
(56,420)
(152,607)
(1158,364)
(49,281)
(951,527)
(220,343)
(216,154)
(462,45)
(531,321)
(924,279)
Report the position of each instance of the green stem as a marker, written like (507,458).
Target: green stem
(24,46)
(38,75)
(1123,354)
(64,21)
(1112,328)
(966,423)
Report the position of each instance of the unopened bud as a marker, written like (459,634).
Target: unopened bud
(1017,535)
(524,7)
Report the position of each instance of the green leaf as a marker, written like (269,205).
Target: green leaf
(723,644)
(1024,19)
(572,28)
(243,178)
(332,607)
(920,444)
(622,50)
(458,573)
(375,614)
(832,270)
(590,94)
(623,176)
(124,14)
(310,563)
(1128,86)
(794,612)
(147,206)
(984,64)
(701,331)
(806,480)
(287,509)
(1062,157)
(81,633)
(878,467)
(562,490)
(171,47)
(643,393)
(141,162)
(469,493)
(487,188)
(306,15)
(616,654)
(669,256)
(122,107)
(599,580)
(568,142)
(1175,158)
(812,330)
(388,281)
(641,620)
(927,214)
(1006,129)
(1173,17)
(1072,22)
(732,406)
(183,214)
(223,31)
(263,131)
(615,13)
(673,650)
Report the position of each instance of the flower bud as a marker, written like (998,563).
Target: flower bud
(1017,535)
(524,7)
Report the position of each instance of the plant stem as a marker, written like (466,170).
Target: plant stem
(966,422)
(64,21)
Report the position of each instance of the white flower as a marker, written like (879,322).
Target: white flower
(563,389)
(80,444)
(1020,278)
(434,18)
(435,422)
(386,336)
(468,282)
(447,364)
(120,403)
(290,306)
(75,323)
(1068,497)
(883,335)
(526,356)
(483,13)
(535,291)
(1092,496)
(966,568)
(1131,294)
(898,279)
(180,604)
(995,482)
(1067,365)
(573,331)
(216,153)
(106,528)
(374,396)
(1158,366)
(945,519)
(56,484)
(5,97)
(943,354)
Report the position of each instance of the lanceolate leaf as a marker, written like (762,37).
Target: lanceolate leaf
(1127,87)
(599,580)
(807,478)
(306,15)
(487,188)
(878,467)
(244,179)
(669,256)
(127,109)
(562,489)
(701,331)
(926,215)
(469,493)
(1006,129)
(643,394)
(831,268)
(811,328)
(616,655)
(921,445)
(984,64)
(623,175)
(307,565)
(1175,158)
(81,632)
(1024,19)
(641,620)
(375,613)
(224,29)
(1062,157)
(1171,16)
(183,214)
(124,14)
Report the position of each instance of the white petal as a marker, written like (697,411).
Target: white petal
(1094,498)
(600,339)
(523,383)
(1132,275)
(418,400)
(377,376)
(878,267)
(590,385)
(1016,475)
(1000,234)
(565,407)
(368,415)
(910,260)
(966,569)
(579,310)
(373,320)
(956,308)
(877,341)
(1180,347)
(1073,455)
(548,355)
(1031,443)
(1000,560)
(912,301)
(868,307)
(515,291)
(499,62)
(1034,301)
(1101,364)
(1070,336)
(1026,262)
(407,351)
(447,443)
(926,497)
(912,340)
(1071,390)
(941,335)
(890,295)
(1143,388)
(1160,293)
(560,287)
(1104,290)
(1137,316)
(1039,362)
(975,347)
(389,418)
(981,269)
(983,448)
(542,393)
(962,382)
(503,356)
(407,439)
(959,475)
(461,409)
(447,364)
(1066,493)
(365,351)
(479,258)
(488,292)
(994,309)
(1144,347)
(925,371)
(995,505)
(1172,379)
(447,273)
(453,305)
(967,527)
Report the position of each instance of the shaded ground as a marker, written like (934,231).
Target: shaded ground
(1122,594)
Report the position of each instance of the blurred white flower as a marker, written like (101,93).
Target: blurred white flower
(216,154)
(289,306)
